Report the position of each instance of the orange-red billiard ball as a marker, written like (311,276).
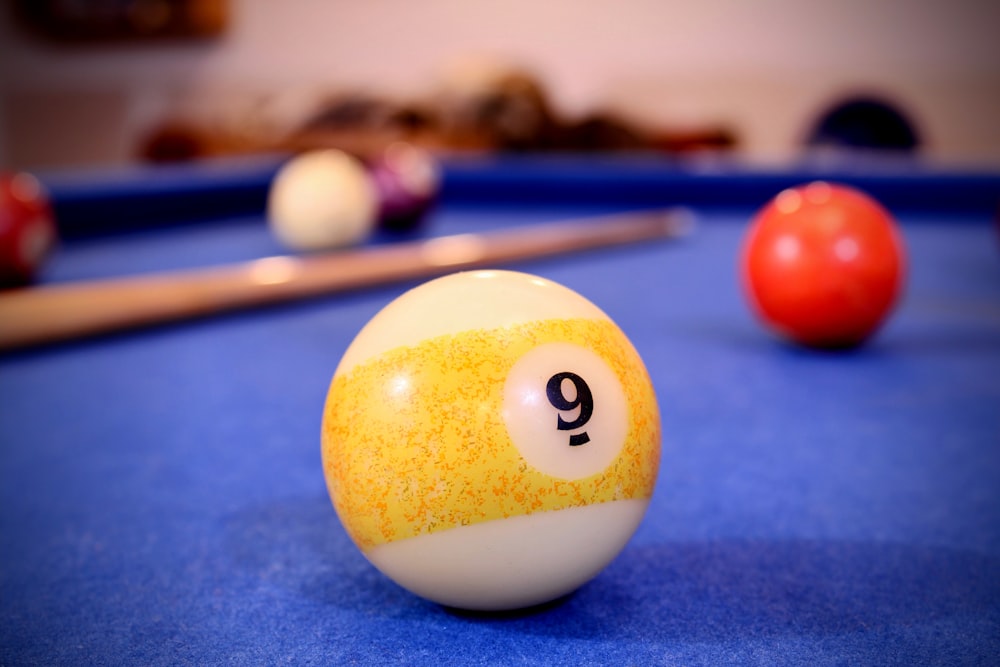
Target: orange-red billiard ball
(823,265)
(27,228)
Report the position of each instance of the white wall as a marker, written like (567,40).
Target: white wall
(766,67)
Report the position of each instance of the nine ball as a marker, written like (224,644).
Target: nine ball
(490,440)
(823,265)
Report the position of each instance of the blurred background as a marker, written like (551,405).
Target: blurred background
(116,82)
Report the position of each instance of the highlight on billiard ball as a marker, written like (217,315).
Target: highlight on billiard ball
(407,180)
(491,440)
(27,228)
(322,199)
(823,265)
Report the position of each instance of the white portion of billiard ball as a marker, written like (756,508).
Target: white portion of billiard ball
(322,199)
(472,300)
(536,556)
(587,433)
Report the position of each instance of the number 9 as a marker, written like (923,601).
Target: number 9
(584,400)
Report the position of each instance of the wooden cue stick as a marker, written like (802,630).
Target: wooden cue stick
(48,314)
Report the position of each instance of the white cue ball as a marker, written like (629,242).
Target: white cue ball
(491,440)
(322,199)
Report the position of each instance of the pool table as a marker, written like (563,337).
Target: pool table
(162,500)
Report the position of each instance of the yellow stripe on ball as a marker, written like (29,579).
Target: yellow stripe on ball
(414,439)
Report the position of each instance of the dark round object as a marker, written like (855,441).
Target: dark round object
(865,123)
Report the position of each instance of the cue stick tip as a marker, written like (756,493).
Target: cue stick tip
(679,222)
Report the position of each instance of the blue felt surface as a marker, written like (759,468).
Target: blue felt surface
(162,501)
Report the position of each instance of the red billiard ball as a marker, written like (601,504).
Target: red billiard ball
(407,180)
(823,265)
(27,228)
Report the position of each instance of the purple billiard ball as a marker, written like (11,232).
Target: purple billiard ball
(407,179)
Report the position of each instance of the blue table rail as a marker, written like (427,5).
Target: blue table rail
(114,201)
